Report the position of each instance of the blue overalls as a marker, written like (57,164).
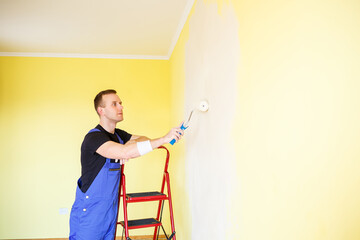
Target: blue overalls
(93,215)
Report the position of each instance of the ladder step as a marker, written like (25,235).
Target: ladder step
(145,196)
(141,223)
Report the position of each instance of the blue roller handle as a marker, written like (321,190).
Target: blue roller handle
(182,128)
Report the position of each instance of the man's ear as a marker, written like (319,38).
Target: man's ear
(100,111)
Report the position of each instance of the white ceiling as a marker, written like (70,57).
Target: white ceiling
(91,28)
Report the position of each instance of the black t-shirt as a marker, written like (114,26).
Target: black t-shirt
(91,161)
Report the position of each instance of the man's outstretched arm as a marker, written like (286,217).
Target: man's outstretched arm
(136,138)
(114,150)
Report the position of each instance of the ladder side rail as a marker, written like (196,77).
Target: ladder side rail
(167,158)
(125,207)
(162,188)
(119,197)
(170,205)
(159,207)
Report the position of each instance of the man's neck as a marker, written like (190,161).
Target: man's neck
(108,126)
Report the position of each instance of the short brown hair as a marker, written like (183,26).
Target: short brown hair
(98,99)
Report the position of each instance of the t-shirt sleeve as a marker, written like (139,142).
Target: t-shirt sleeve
(94,140)
(125,136)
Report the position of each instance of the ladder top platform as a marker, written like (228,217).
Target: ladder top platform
(145,196)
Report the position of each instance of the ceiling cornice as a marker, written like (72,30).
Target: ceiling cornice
(80,55)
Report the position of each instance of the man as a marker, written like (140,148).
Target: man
(104,149)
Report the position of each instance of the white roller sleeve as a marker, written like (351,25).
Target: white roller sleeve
(144,147)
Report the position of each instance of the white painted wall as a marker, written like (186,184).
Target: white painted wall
(211,63)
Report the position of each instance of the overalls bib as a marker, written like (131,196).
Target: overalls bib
(93,215)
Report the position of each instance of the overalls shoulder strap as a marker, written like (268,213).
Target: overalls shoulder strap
(94,130)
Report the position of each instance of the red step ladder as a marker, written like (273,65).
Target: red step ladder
(145,197)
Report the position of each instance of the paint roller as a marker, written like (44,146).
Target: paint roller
(203,107)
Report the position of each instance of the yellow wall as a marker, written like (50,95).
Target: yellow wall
(177,168)
(298,118)
(46,108)
(296,129)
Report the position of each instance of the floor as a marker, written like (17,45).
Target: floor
(149,237)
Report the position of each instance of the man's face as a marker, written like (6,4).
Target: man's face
(113,109)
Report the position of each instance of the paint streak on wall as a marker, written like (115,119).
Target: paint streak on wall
(211,61)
